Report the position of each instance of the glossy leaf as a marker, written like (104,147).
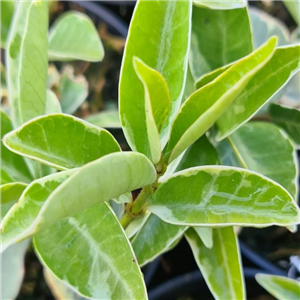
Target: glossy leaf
(288,119)
(73,90)
(219,195)
(20,222)
(98,181)
(28,39)
(11,191)
(280,287)
(226,280)
(13,167)
(265,26)
(7,12)
(106,178)
(74,36)
(199,154)
(206,235)
(207,104)
(228,4)
(207,78)
(157,107)
(260,89)
(52,103)
(12,269)
(61,141)
(159,36)
(136,224)
(58,288)
(216,38)
(103,263)
(251,146)
(105,119)
(294,8)
(154,238)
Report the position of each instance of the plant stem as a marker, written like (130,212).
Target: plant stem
(137,206)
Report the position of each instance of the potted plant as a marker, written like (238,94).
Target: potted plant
(186,99)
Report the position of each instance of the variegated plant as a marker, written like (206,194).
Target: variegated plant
(190,82)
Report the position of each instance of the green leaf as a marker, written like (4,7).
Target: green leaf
(207,104)
(206,235)
(52,103)
(11,191)
(265,26)
(157,108)
(26,58)
(61,141)
(101,180)
(58,288)
(7,11)
(73,90)
(118,209)
(21,221)
(53,76)
(136,224)
(154,238)
(228,4)
(288,119)
(293,7)
(199,154)
(189,86)
(103,263)
(74,36)
(13,167)
(220,265)
(216,38)
(207,78)
(159,36)
(274,75)
(105,119)
(219,195)
(280,287)
(12,269)
(251,145)
(125,198)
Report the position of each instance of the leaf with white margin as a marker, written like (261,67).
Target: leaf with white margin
(251,146)
(267,81)
(287,118)
(11,191)
(157,107)
(58,288)
(61,141)
(26,59)
(206,235)
(206,105)
(72,90)
(280,287)
(13,167)
(216,38)
(74,36)
(225,261)
(264,26)
(136,224)
(90,252)
(20,221)
(228,4)
(159,35)
(12,269)
(52,103)
(101,180)
(154,238)
(220,196)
